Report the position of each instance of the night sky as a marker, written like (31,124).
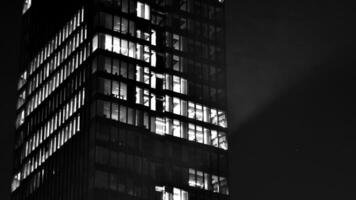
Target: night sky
(291,80)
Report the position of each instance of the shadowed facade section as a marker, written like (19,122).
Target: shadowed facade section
(291,77)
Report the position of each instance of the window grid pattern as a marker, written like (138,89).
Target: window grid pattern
(54,125)
(53,67)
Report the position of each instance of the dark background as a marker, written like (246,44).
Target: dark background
(291,106)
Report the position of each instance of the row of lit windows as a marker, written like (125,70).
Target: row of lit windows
(195,111)
(182,107)
(143,74)
(163,126)
(43,154)
(124,26)
(57,40)
(60,96)
(168,82)
(143,10)
(55,143)
(27,5)
(51,65)
(58,58)
(16,181)
(57,79)
(22,80)
(207,181)
(172,104)
(65,133)
(124,47)
(189,131)
(175,194)
(54,123)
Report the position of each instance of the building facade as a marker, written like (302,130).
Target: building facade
(122,99)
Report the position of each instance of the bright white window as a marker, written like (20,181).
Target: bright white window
(199,134)
(160,126)
(154,38)
(108,42)
(26,6)
(176,106)
(199,112)
(143,10)
(153,102)
(191,132)
(116,45)
(191,110)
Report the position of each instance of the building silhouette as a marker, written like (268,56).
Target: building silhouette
(122,99)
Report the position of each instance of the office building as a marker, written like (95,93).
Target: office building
(122,99)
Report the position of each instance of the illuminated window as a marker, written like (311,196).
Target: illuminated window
(214,138)
(176,128)
(20,118)
(199,112)
(153,101)
(179,194)
(16,181)
(123,91)
(207,137)
(191,132)
(177,42)
(108,42)
(139,95)
(154,59)
(116,45)
(22,80)
(213,116)
(176,106)
(115,89)
(124,47)
(146,98)
(200,179)
(199,134)
(160,126)
(115,112)
(206,113)
(175,194)
(192,181)
(191,110)
(153,38)
(139,73)
(222,140)
(143,10)
(222,119)
(215,183)
(26,6)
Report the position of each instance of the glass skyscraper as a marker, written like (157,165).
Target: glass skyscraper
(122,99)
